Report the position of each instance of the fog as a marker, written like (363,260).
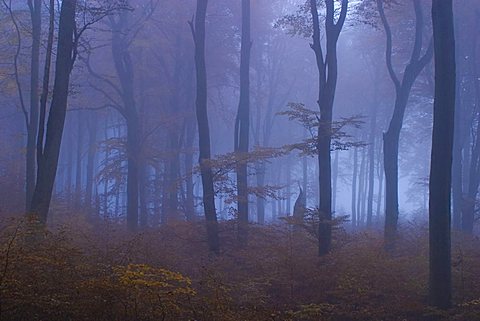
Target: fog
(205,137)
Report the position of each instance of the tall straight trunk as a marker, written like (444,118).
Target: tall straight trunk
(440,281)
(391,138)
(35,7)
(354,187)
(107,181)
(78,162)
(260,169)
(173,168)
(198,30)
(458,144)
(45,84)
(156,199)
(143,197)
(328,73)
(49,160)
(380,194)
(473,181)
(242,125)
(92,149)
(190,197)
(371,169)
(361,190)
(469,202)
(288,205)
(124,69)
(335,181)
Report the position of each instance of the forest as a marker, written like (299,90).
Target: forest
(239,160)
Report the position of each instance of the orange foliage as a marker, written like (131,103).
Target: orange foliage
(81,272)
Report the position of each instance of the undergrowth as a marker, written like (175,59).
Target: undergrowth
(83,271)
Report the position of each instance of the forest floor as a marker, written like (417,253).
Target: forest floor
(84,271)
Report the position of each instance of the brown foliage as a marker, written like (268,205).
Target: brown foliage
(83,272)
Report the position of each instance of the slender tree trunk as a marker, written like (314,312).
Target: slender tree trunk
(35,7)
(288,205)
(92,149)
(124,69)
(198,29)
(143,197)
(361,190)
(49,163)
(67,153)
(78,162)
(335,181)
(371,170)
(380,194)
(354,188)
(190,201)
(260,176)
(440,282)
(469,202)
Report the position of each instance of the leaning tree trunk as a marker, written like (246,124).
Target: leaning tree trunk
(391,137)
(198,30)
(440,282)
(49,159)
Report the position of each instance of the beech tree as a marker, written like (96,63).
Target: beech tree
(198,32)
(328,73)
(48,163)
(440,282)
(403,86)
(242,124)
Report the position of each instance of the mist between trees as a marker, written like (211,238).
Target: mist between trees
(188,137)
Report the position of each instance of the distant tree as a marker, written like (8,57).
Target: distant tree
(198,31)
(403,87)
(124,67)
(30,112)
(242,124)
(440,282)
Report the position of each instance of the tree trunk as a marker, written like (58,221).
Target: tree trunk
(198,28)
(335,180)
(361,190)
(49,163)
(371,170)
(92,149)
(190,197)
(402,92)
(260,175)
(78,162)
(32,130)
(354,188)
(328,73)
(242,125)
(124,69)
(440,282)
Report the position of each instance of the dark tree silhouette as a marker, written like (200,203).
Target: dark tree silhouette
(440,282)
(242,124)
(48,162)
(391,138)
(198,31)
(328,73)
